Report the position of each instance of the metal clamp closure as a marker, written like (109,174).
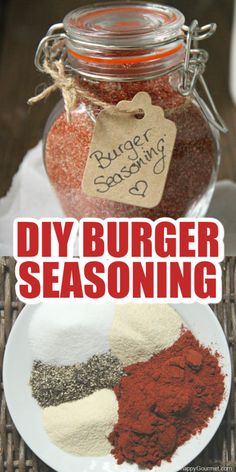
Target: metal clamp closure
(194,68)
(52,46)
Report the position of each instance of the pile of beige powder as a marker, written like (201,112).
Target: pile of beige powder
(83,426)
(141,330)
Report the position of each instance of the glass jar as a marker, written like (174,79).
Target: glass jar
(113,51)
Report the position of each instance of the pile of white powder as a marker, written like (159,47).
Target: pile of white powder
(141,330)
(83,426)
(66,334)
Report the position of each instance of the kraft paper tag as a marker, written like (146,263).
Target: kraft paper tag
(129,156)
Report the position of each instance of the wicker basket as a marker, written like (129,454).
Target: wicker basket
(15,456)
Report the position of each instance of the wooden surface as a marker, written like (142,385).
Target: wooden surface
(24,22)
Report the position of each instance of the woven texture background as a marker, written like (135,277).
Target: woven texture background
(15,456)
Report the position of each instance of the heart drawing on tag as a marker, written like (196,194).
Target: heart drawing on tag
(139,188)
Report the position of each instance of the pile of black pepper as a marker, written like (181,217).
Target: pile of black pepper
(52,385)
(101,371)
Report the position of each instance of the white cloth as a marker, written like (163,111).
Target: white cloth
(32,196)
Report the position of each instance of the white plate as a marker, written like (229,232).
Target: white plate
(27,415)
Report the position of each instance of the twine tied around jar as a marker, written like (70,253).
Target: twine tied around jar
(68,86)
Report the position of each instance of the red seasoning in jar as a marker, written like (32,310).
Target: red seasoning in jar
(113,53)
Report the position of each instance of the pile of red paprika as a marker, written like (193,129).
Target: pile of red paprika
(165,401)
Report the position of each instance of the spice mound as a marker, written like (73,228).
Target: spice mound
(52,385)
(82,427)
(99,372)
(71,335)
(164,401)
(141,330)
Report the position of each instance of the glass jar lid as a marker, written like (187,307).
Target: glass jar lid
(124,25)
(123,41)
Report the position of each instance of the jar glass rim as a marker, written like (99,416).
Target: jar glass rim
(127,24)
